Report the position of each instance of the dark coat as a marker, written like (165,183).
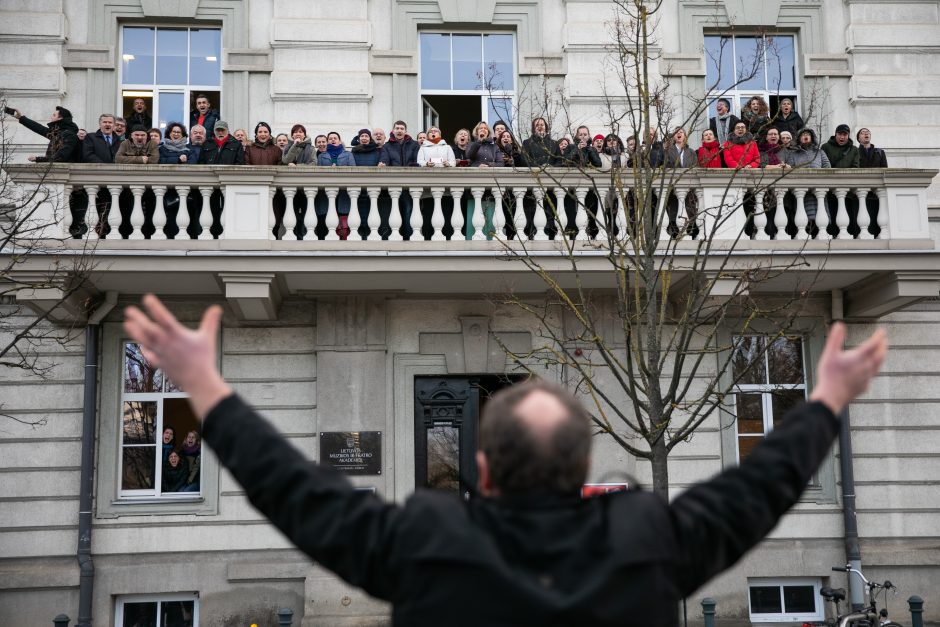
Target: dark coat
(95,148)
(538,559)
(194,152)
(400,153)
(872,157)
(299,153)
(344,158)
(689,158)
(267,153)
(212,116)
(170,157)
(140,119)
(841,156)
(485,153)
(577,157)
(366,154)
(538,151)
(62,134)
(793,123)
(231,152)
(732,121)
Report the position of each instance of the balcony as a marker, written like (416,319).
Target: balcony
(883,257)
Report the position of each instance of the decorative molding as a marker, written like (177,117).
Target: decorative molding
(682,64)
(750,13)
(247,60)
(88,56)
(393,62)
(542,64)
(827,65)
(169,8)
(479,12)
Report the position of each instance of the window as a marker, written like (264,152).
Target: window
(467,77)
(168,68)
(784,600)
(161,447)
(770,380)
(740,67)
(173,610)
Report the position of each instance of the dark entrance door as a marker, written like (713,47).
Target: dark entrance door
(447,417)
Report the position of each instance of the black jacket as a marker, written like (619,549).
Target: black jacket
(212,116)
(399,153)
(577,157)
(793,123)
(95,148)
(140,119)
(872,157)
(732,121)
(231,153)
(545,559)
(62,134)
(538,151)
(485,153)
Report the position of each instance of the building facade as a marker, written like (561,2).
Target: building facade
(371,339)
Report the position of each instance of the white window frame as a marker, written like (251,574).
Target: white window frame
(154,598)
(485,95)
(784,617)
(155,88)
(766,390)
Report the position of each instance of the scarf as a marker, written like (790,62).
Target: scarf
(190,451)
(335,151)
(435,141)
(772,151)
(219,142)
(175,146)
(721,126)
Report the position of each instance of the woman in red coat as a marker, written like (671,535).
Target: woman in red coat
(740,151)
(709,153)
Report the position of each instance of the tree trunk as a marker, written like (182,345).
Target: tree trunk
(659,463)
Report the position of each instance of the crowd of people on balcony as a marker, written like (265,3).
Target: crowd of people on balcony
(756,139)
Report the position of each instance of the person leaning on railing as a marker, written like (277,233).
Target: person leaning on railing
(138,148)
(62,134)
(263,150)
(175,148)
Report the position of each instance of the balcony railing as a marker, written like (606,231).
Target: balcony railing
(115,203)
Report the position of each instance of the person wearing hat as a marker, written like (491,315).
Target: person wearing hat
(840,150)
(138,148)
(598,143)
(62,134)
(222,149)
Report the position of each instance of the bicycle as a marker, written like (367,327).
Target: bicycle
(868,616)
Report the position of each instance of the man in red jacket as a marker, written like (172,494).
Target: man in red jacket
(529,551)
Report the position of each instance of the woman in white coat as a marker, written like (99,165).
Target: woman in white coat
(435,152)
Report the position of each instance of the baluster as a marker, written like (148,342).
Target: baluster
(159,212)
(881,218)
(354,221)
(91,214)
(580,213)
(290,216)
(822,214)
(68,218)
(456,218)
(663,215)
(205,212)
(780,216)
(394,217)
(437,216)
(519,212)
(800,219)
(182,214)
(310,215)
(417,220)
(499,216)
(478,219)
(332,218)
(373,219)
(600,217)
(114,212)
(700,212)
(272,218)
(863,219)
(842,214)
(682,218)
(760,216)
(540,219)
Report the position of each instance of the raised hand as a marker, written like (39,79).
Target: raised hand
(187,356)
(843,375)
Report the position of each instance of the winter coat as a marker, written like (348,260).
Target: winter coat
(709,155)
(741,152)
(299,153)
(63,140)
(169,156)
(231,152)
(771,155)
(792,123)
(485,153)
(175,479)
(439,154)
(714,126)
(757,123)
(194,152)
(460,153)
(512,157)
(366,154)
(609,161)
(344,158)
(140,119)
(689,158)
(841,156)
(400,153)
(129,152)
(872,157)
(810,157)
(95,148)
(656,155)
(263,153)
(538,151)
(212,116)
(577,157)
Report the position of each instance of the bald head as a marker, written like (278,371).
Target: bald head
(534,436)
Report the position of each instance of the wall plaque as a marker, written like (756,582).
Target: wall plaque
(352,452)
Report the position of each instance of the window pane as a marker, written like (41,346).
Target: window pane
(781,63)
(444,458)
(468,61)
(181,474)
(785,400)
(786,360)
(747,360)
(746,444)
(170,109)
(172,48)
(138,468)
(748,54)
(719,62)
(765,600)
(137,55)
(435,61)
(140,614)
(749,410)
(205,56)
(799,600)
(140,422)
(139,376)
(176,613)
(499,109)
(497,62)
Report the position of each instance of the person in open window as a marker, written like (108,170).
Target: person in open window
(840,149)
(756,114)
(263,150)
(511,154)
(190,452)
(175,473)
(722,125)
(138,149)
(787,119)
(62,134)
(741,150)
(174,148)
(222,149)
(435,152)
(869,156)
(772,153)
(539,147)
(204,115)
(169,441)
(709,153)
(483,152)
(300,151)
(139,114)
